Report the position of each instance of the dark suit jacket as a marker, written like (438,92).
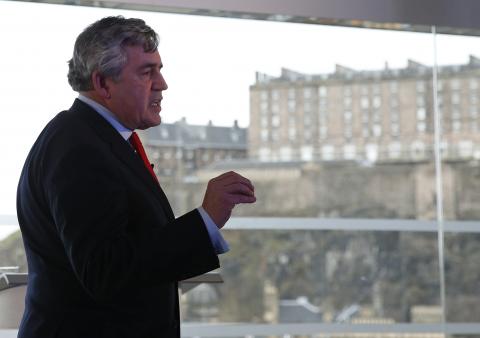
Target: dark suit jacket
(103,248)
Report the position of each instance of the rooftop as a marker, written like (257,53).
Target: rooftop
(343,73)
(182,134)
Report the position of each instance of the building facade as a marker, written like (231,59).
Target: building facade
(178,149)
(380,115)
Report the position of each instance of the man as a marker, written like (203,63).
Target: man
(104,250)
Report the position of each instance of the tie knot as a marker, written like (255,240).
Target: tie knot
(137,145)
(135,142)
(133,139)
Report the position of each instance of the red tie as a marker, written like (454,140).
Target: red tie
(137,145)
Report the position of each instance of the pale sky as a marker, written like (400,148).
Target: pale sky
(209,64)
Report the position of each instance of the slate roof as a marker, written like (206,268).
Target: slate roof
(344,73)
(181,134)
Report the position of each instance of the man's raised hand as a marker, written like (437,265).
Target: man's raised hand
(223,193)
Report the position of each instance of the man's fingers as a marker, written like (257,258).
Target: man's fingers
(224,192)
(240,198)
(247,184)
(233,180)
(222,176)
(239,188)
(228,174)
(232,177)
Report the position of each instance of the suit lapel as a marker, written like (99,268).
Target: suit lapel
(134,162)
(122,150)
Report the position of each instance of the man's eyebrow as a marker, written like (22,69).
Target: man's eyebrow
(151,65)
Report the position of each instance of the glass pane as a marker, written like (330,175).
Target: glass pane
(322,276)
(461,255)
(458,99)
(334,134)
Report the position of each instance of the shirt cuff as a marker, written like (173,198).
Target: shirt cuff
(218,242)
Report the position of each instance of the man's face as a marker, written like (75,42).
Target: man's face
(135,97)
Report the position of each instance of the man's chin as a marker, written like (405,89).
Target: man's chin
(151,123)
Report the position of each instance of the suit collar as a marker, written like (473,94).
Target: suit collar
(120,148)
(107,115)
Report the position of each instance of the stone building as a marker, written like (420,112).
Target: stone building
(178,149)
(379,115)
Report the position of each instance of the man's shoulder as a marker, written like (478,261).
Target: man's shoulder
(69,128)
(76,117)
(66,125)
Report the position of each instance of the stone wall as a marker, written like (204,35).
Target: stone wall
(346,189)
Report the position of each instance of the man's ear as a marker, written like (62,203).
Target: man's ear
(100,85)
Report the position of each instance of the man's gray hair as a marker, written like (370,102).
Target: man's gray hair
(101,47)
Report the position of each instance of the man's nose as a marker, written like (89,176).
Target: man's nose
(159,83)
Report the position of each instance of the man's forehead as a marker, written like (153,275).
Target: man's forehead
(137,55)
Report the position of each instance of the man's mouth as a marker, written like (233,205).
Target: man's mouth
(156,103)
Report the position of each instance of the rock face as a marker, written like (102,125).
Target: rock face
(344,189)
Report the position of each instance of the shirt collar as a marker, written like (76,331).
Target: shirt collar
(107,115)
